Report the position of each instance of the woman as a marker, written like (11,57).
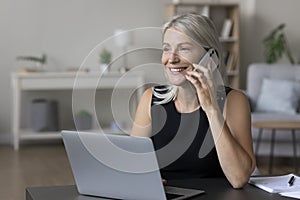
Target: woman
(181,118)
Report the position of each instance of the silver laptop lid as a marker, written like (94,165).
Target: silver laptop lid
(114,166)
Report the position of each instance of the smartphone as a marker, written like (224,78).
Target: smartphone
(211,54)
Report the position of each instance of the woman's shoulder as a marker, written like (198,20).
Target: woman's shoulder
(234,92)
(229,95)
(226,90)
(236,95)
(148,93)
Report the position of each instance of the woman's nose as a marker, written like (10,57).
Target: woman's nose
(173,57)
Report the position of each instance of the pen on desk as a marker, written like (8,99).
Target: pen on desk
(291,181)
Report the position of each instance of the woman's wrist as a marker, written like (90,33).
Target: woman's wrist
(213,113)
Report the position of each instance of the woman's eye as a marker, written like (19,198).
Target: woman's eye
(184,49)
(166,49)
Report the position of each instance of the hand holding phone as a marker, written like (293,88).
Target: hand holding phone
(211,54)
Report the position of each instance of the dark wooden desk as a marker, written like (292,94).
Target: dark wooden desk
(215,189)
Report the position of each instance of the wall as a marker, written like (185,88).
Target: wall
(262,16)
(68,30)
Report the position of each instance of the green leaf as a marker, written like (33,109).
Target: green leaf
(105,56)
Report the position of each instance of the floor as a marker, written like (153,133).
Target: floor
(47,164)
(32,165)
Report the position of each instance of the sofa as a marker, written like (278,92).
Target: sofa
(274,92)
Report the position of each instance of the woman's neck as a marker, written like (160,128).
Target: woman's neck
(186,100)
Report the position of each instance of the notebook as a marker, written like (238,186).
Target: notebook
(118,166)
(278,184)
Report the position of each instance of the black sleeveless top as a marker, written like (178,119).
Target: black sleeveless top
(183,141)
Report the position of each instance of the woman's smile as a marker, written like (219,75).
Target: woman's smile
(177,69)
(176,73)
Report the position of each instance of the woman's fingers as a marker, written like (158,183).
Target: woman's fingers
(206,70)
(197,79)
(200,68)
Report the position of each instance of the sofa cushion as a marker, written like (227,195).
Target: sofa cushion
(278,96)
(267,116)
(256,72)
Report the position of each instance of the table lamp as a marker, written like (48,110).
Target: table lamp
(122,39)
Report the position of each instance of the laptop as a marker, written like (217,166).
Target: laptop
(118,167)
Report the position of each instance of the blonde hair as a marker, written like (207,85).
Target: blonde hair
(201,30)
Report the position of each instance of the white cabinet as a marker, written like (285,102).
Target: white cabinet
(47,82)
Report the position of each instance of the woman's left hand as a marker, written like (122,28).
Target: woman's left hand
(202,79)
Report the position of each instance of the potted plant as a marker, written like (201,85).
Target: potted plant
(39,61)
(105,59)
(83,120)
(276,45)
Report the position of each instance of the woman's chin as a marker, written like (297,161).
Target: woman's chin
(178,81)
(176,78)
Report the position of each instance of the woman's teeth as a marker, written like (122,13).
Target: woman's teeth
(178,69)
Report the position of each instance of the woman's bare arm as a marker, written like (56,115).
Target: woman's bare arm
(142,121)
(233,139)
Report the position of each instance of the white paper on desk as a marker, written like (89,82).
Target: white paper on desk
(295,195)
(276,184)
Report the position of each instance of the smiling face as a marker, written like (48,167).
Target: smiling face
(179,53)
